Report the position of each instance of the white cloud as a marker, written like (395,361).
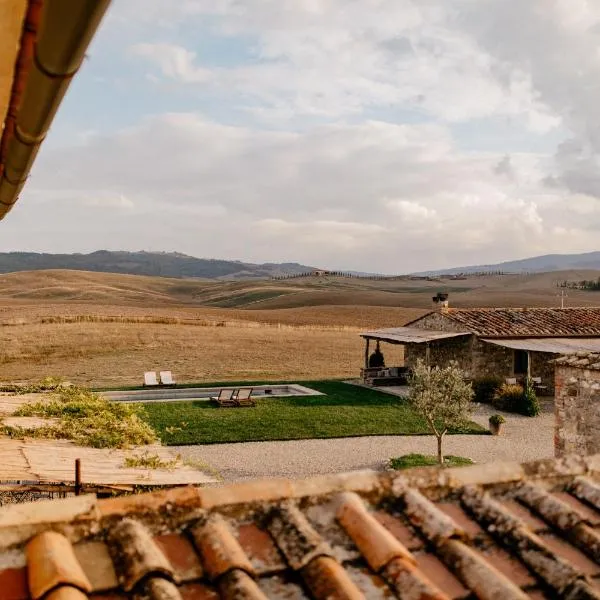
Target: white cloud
(175,62)
(368,134)
(360,196)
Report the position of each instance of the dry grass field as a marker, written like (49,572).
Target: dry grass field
(113,354)
(106,330)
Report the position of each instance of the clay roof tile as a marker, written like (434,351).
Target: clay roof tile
(136,555)
(220,550)
(52,564)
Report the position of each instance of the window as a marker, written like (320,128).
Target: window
(521,362)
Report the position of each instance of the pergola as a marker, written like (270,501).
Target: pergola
(406,335)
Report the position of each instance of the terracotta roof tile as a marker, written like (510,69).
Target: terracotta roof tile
(326,578)
(527,322)
(136,555)
(503,531)
(13,583)
(220,550)
(52,564)
(581,360)
(67,593)
(97,565)
(260,548)
(181,555)
(197,591)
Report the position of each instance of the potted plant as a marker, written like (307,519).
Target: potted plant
(497,424)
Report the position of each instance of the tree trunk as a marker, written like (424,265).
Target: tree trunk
(439,444)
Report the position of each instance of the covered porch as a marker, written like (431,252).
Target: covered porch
(397,375)
(532,358)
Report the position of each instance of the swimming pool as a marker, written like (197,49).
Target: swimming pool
(199,393)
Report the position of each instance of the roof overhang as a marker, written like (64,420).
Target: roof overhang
(410,335)
(550,345)
(11,27)
(42,46)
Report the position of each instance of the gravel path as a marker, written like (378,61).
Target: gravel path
(524,439)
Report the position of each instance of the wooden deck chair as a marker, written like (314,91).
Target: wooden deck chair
(150,379)
(166,378)
(244,397)
(225,398)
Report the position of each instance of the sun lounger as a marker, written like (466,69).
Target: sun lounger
(225,398)
(166,378)
(150,378)
(244,397)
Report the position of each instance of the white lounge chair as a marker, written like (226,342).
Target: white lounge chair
(166,378)
(511,381)
(150,379)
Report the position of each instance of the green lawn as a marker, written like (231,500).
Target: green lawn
(345,411)
(409,461)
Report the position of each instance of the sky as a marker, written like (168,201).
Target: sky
(374,135)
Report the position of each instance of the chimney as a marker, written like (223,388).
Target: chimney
(440,302)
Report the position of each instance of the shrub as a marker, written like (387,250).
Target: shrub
(497,420)
(509,397)
(517,399)
(530,406)
(409,461)
(88,419)
(485,388)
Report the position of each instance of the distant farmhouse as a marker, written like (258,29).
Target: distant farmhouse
(504,342)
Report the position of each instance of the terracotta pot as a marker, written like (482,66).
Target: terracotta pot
(496,429)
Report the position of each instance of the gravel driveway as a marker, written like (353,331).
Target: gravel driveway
(524,439)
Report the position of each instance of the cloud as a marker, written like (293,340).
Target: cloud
(360,196)
(389,135)
(342,58)
(174,62)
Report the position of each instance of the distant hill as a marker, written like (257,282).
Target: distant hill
(162,264)
(536,264)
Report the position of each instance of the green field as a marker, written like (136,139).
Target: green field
(345,411)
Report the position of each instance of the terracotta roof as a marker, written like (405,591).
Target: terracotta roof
(488,531)
(582,360)
(527,322)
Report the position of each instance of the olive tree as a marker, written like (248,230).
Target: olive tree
(442,397)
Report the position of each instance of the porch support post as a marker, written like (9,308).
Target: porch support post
(528,365)
(427,353)
(367,353)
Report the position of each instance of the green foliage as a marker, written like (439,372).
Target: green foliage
(517,399)
(150,461)
(442,396)
(508,397)
(343,411)
(497,420)
(86,418)
(409,461)
(485,388)
(530,406)
(48,384)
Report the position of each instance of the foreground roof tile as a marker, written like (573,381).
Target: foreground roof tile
(486,531)
(52,564)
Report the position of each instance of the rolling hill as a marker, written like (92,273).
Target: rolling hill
(536,264)
(162,264)
(109,289)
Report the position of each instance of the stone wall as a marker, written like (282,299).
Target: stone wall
(441,352)
(577,411)
(438,322)
(475,357)
(480,359)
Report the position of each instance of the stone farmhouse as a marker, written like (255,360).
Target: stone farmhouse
(511,343)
